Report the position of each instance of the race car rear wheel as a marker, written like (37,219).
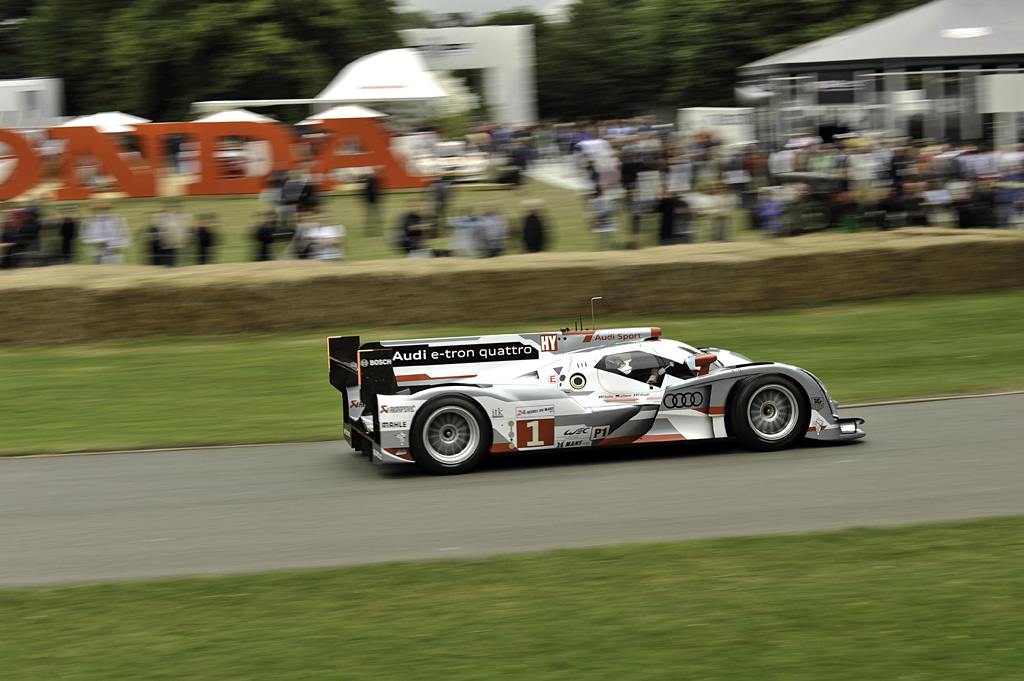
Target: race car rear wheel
(450,435)
(769,413)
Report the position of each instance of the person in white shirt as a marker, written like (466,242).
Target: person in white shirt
(108,233)
(316,240)
(327,241)
(175,228)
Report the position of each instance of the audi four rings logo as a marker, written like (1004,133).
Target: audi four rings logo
(683,400)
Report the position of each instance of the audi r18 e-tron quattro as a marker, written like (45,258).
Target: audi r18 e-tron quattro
(446,403)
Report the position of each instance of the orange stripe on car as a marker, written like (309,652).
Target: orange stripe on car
(660,438)
(423,377)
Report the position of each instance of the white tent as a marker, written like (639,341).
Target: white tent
(388,76)
(235,116)
(347,111)
(107,121)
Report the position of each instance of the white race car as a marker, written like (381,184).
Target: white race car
(458,161)
(446,403)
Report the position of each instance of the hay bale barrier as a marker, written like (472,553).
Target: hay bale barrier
(86,302)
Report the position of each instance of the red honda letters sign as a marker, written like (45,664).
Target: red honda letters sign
(88,144)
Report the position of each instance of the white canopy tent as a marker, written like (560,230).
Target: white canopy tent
(344,111)
(388,76)
(107,122)
(235,116)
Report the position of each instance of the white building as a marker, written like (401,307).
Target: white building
(31,102)
(505,54)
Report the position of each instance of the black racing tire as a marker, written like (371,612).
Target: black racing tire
(769,413)
(450,435)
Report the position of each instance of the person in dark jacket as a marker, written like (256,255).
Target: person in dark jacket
(264,237)
(67,228)
(153,237)
(534,235)
(371,196)
(205,237)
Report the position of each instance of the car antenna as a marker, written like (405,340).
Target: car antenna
(592,311)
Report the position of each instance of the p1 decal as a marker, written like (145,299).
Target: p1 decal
(599,432)
(549,342)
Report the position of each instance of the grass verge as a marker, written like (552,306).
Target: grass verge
(928,602)
(273,387)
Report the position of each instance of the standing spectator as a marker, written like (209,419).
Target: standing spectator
(495,229)
(325,240)
(174,230)
(68,230)
(371,195)
(676,216)
(771,211)
(412,231)
(305,225)
(153,236)
(533,226)
(602,211)
(264,236)
(315,240)
(1009,197)
(108,233)
(464,239)
(291,197)
(439,195)
(8,241)
(719,207)
(666,209)
(29,242)
(205,238)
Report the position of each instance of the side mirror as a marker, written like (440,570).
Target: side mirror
(704,362)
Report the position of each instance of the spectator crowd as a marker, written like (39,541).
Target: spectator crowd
(636,178)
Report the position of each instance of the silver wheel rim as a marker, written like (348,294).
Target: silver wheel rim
(773,412)
(451,435)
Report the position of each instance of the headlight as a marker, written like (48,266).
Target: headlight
(848,428)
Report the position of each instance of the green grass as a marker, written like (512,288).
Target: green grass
(238,216)
(932,602)
(273,388)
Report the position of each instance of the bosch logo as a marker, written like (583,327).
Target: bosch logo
(683,400)
(365,363)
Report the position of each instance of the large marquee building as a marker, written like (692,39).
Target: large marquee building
(926,72)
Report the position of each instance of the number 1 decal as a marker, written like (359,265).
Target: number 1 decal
(535,433)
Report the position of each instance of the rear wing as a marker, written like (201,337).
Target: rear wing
(342,353)
(360,374)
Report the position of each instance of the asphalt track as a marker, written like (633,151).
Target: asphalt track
(109,517)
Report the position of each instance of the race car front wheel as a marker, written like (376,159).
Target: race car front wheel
(450,435)
(769,413)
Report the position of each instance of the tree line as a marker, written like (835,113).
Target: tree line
(610,58)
